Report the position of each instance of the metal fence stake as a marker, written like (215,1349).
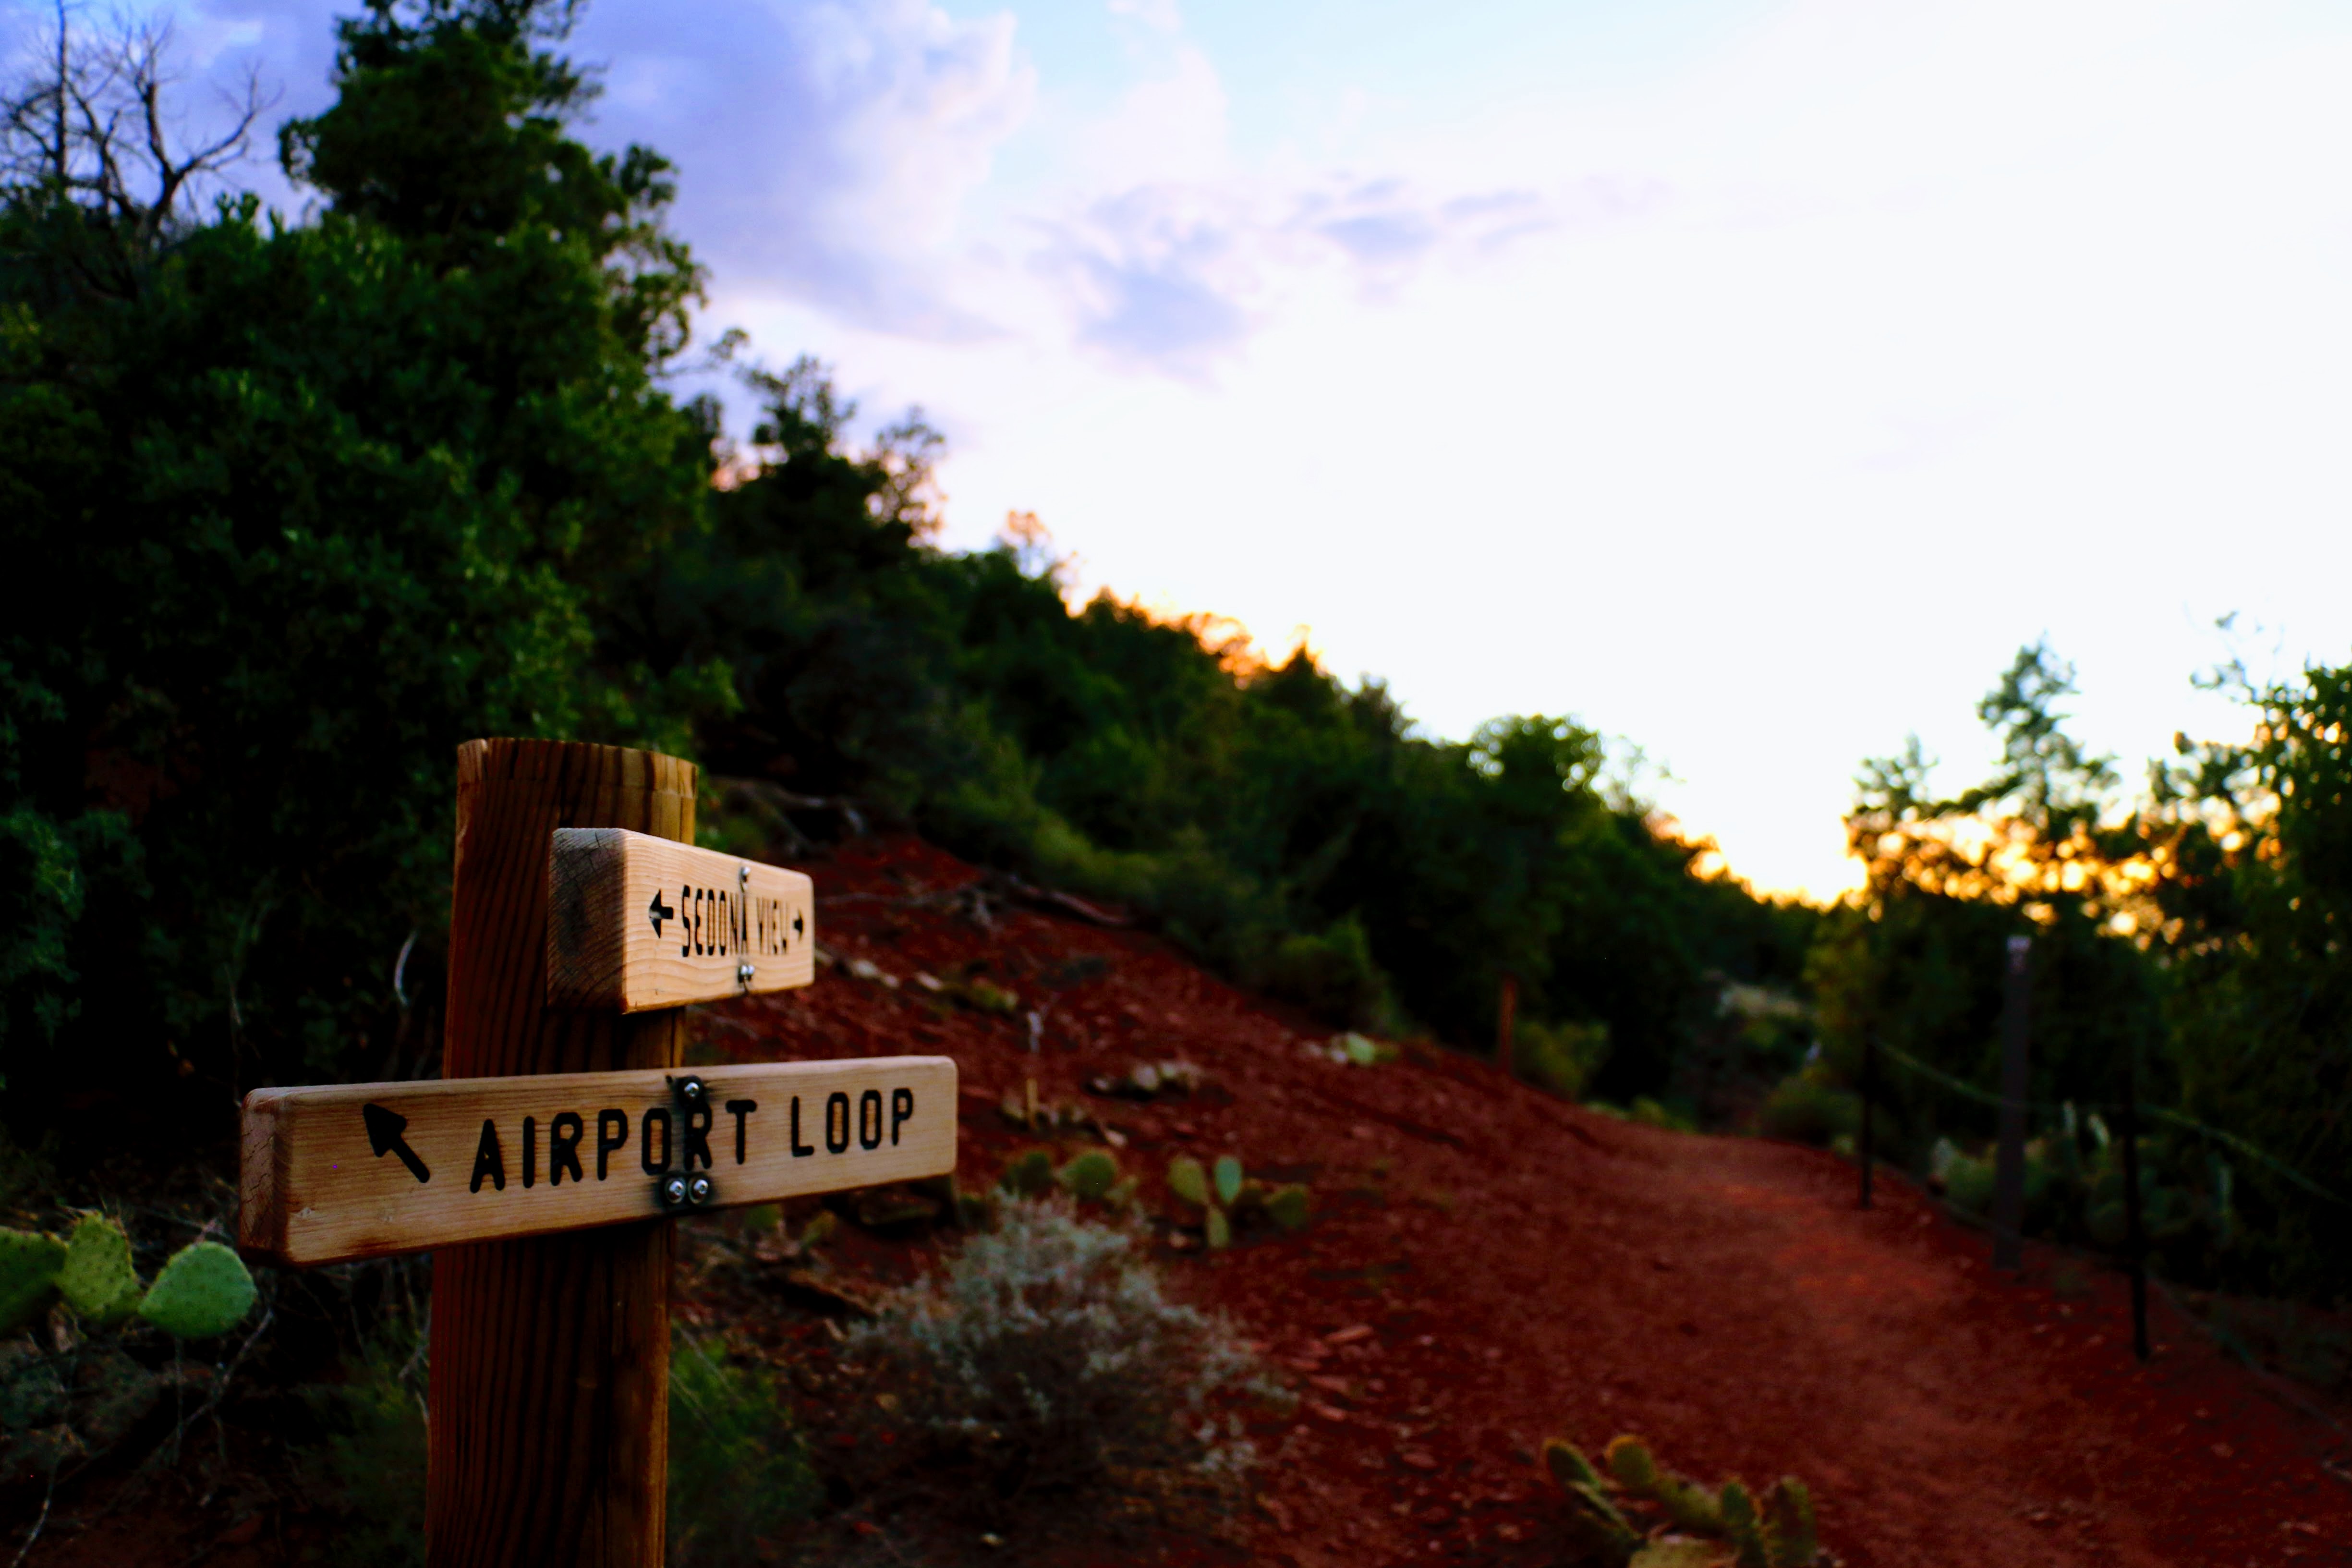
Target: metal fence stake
(2008,1174)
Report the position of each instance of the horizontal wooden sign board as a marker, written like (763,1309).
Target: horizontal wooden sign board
(367,1169)
(635,922)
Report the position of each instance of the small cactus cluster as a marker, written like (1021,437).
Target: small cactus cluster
(1149,1080)
(1024,1109)
(1223,1193)
(1353,1048)
(1727,1528)
(1092,1177)
(202,1290)
(969,990)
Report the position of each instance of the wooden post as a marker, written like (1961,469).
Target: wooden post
(2009,1173)
(1869,1086)
(549,1409)
(2135,1240)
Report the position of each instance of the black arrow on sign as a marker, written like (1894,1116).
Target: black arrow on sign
(660,912)
(797,927)
(384,1128)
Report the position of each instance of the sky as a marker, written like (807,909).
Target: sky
(1749,379)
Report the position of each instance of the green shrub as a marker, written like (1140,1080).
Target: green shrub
(738,1473)
(1806,1111)
(1561,1058)
(1045,1356)
(1330,973)
(370,1466)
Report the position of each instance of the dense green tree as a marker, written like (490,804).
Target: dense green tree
(292,510)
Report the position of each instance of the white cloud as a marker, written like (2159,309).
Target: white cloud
(828,147)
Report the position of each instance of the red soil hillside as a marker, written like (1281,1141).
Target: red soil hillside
(1488,1266)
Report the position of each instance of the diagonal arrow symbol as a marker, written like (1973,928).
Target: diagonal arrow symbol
(660,912)
(383,1130)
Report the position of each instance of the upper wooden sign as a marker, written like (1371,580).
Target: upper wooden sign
(635,922)
(366,1169)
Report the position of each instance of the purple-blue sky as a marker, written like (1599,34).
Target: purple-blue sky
(1748,378)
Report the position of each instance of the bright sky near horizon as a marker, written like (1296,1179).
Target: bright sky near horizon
(1748,378)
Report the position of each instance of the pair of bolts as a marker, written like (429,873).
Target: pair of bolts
(743,881)
(677,1190)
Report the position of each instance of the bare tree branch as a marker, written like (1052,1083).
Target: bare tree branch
(92,122)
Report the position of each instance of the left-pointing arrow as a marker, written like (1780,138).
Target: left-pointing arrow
(383,1130)
(659,911)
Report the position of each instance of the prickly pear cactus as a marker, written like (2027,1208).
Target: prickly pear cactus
(1288,1208)
(203,1290)
(1742,1525)
(1789,1541)
(1596,1532)
(1568,1465)
(1678,1554)
(1188,1181)
(96,1278)
(1229,1179)
(1090,1177)
(1029,1173)
(29,1262)
(1629,1461)
(1689,1505)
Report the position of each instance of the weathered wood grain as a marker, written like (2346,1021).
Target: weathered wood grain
(505,1157)
(550,1437)
(637,923)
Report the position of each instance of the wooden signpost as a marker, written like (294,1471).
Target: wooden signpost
(540,1168)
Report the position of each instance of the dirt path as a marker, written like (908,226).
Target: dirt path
(1489,1266)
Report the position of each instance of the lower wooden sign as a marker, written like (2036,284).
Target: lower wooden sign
(368,1169)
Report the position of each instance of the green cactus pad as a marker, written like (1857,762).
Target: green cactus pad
(1122,1193)
(1597,1532)
(1288,1207)
(1568,1465)
(1689,1505)
(1188,1181)
(1678,1554)
(29,1262)
(1742,1525)
(1789,1536)
(1218,1229)
(1629,1461)
(1229,1179)
(203,1290)
(96,1278)
(1029,1173)
(1090,1177)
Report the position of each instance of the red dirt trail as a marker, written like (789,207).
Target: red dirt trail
(1489,1266)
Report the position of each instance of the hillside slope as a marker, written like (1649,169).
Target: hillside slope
(1488,1266)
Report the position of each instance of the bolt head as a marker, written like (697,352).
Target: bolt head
(674,1191)
(700,1189)
(743,875)
(743,972)
(692,1091)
